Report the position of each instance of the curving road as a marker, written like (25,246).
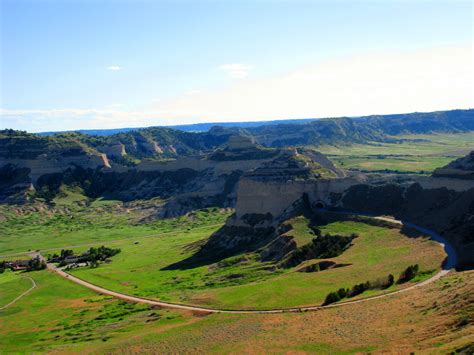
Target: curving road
(449,263)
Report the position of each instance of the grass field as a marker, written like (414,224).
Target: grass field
(244,282)
(63,317)
(12,285)
(300,230)
(59,314)
(70,225)
(414,154)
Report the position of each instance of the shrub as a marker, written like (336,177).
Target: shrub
(382,283)
(358,289)
(408,274)
(101,253)
(66,252)
(332,297)
(321,247)
(342,292)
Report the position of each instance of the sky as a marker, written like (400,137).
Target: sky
(89,64)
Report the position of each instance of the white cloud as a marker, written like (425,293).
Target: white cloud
(375,83)
(114,68)
(427,80)
(236,70)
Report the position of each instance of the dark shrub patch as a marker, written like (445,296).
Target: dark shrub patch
(408,274)
(327,246)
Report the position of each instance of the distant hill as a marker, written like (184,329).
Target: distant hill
(129,147)
(440,121)
(379,128)
(194,127)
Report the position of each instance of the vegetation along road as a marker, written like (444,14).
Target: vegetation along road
(449,263)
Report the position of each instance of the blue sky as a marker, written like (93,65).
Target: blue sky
(98,64)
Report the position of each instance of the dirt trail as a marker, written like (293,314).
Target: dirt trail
(448,265)
(33,285)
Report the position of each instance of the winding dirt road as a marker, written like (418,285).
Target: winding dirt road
(449,263)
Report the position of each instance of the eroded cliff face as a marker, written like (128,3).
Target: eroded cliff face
(462,168)
(270,194)
(24,159)
(445,205)
(45,164)
(183,184)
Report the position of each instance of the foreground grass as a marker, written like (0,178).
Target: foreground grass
(59,314)
(242,282)
(62,317)
(413,154)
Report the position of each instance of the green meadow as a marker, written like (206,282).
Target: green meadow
(12,284)
(243,282)
(409,154)
(59,315)
(102,222)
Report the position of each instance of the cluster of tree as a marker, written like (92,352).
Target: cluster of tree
(36,264)
(380,283)
(321,247)
(408,274)
(101,253)
(65,253)
(92,256)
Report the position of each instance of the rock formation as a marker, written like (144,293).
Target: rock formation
(462,168)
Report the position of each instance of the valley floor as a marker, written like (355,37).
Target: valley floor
(63,317)
(60,316)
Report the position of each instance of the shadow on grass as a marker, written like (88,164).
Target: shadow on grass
(226,242)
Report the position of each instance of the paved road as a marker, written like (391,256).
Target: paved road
(450,263)
(33,285)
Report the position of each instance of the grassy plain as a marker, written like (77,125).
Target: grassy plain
(412,153)
(62,317)
(60,314)
(39,228)
(244,282)
(11,286)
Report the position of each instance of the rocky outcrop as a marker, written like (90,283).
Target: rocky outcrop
(267,196)
(113,150)
(445,205)
(41,156)
(462,168)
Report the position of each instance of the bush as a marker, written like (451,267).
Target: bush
(101,253)
(381,283)
(408,274)
(342,292)
(358,289)
(332,297)
(321,247)
(66,252)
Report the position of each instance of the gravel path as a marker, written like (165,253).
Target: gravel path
(448,265)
